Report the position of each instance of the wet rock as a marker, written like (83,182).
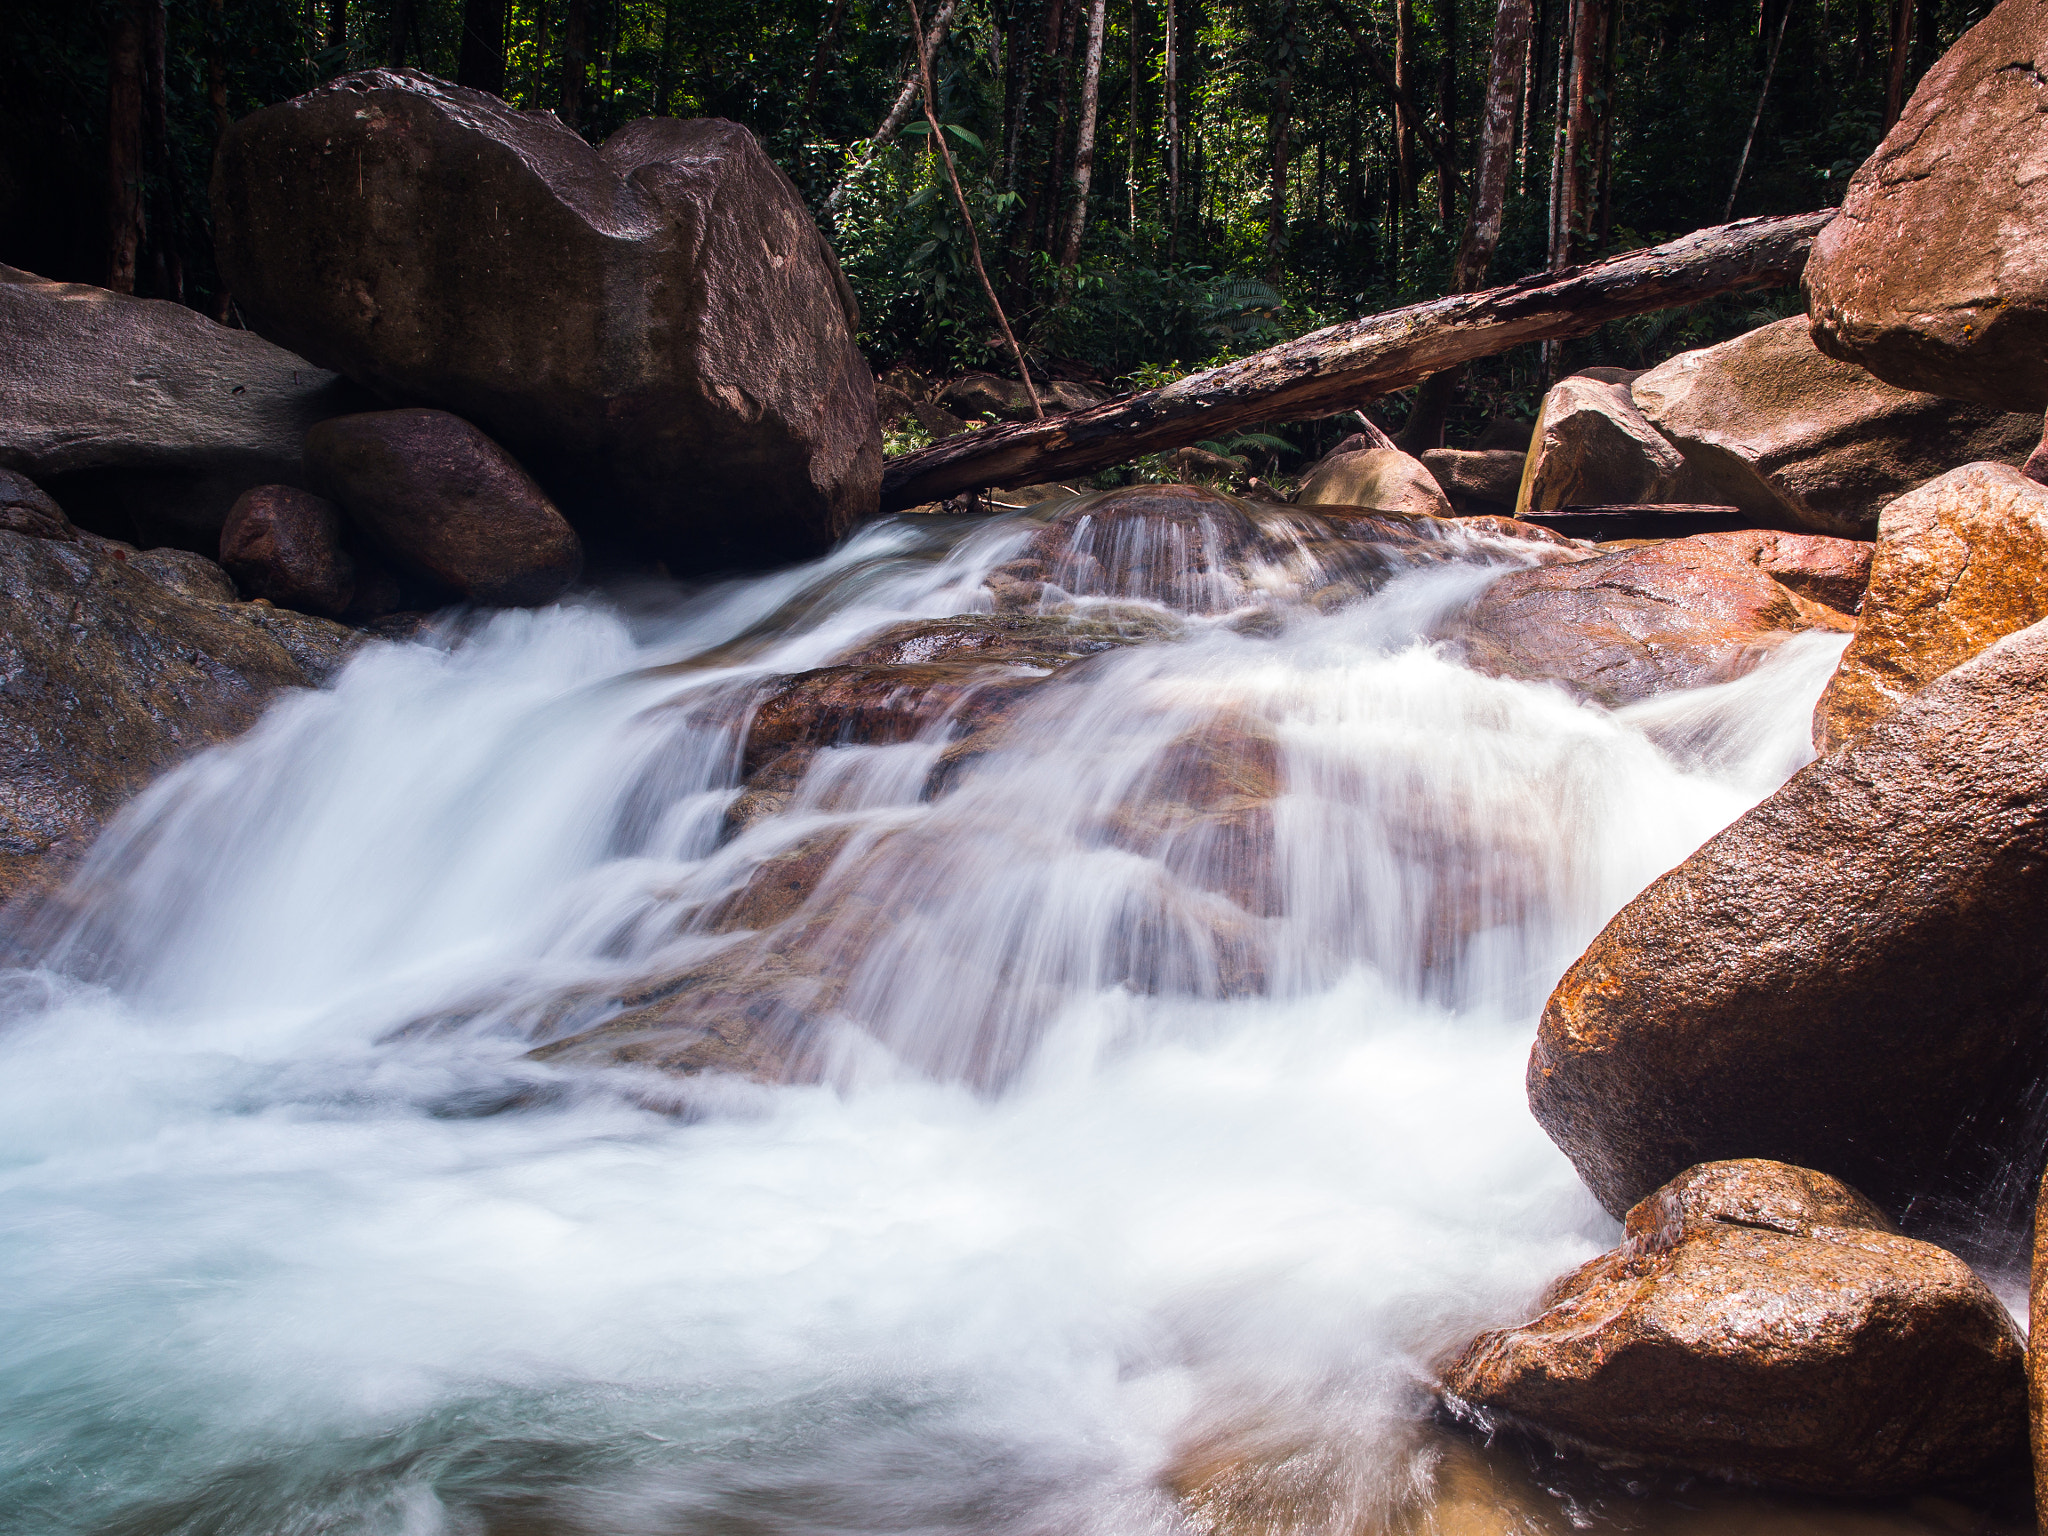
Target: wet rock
(1475,479)
(1043,641)
(1205,811)
(144,417)
(1831,572)
(1930,275)
(1838,979)
(186,574)
(1385,479)
(656,329)
(1797,439)
(877,705)
(1623,626)
(1764,1323)
(1960,563)
(27,508)
(447,504)
(1592,447)
(107,679)
(288,545)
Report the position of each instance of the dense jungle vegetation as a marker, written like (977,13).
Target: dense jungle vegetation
(1157,183)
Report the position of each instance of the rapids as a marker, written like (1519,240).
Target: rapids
(1060,1222)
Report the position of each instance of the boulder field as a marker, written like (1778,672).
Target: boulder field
(655,329)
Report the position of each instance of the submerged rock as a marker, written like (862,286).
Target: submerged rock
(288,545)
(1592,447)
(656,329)
(1844,978)
(1797,439)
(1931,275)
(447,504)
(1384,479)
(145,417)
(110,678)
(1961,562)
(1764,1323)
(1623,626)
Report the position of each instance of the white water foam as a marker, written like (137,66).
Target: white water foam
(265,1269)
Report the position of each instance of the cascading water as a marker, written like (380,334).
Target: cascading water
(1109,1162)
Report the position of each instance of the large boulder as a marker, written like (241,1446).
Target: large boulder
(1482,480)
(1625,625)
(1832,572)
(446,504)
(289,546)
(1383,479)
(1768,1324)
(108,678)
(1933,275)
(145,418)
(656,330)
(1797,439)
(1960,563)
(1849,977)
(1592,447)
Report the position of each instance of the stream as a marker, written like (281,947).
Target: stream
(1092,1207)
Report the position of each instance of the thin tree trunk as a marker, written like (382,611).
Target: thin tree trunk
(1084,138)
(216,65)
(575,62)
(931,117)
(1560,214)
(1059,165)
(1589,18)
(1757,117)
(899,110)
(1447,111)
(401,24)
(125,218)
(1404,96)
(1279,130)
(1425,427)
(1131,139)
(664,62)
(337,23)
(1895,82)
(1172,139)
(1341,367)
(826,38)
(1603,184)
(167,271)
(480,63)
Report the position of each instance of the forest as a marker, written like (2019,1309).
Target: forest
(1157,185)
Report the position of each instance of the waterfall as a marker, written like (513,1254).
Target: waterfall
(1125,1124)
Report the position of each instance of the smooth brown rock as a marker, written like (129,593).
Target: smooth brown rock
(1960,563)
(656,329)
(1932,275)
(288,545)
(447,504)
(1831,572)
(1476,479)
(1764,1323)
(107,679)
(1385,479)
(143,417)
(1620,627)
(26,507)
(1797,439)
(1592,447)
(1842,978)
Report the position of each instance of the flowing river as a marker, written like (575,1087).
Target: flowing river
(1094,1207)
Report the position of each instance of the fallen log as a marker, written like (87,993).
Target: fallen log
(1342,366)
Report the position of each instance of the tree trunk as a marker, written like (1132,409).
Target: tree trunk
(1589,29)
(1447,112)
(216,64)
(1060,48)
(899,112)
(1895,82)
(124,146)
(1279,134)
(1757,117)
(575,62)
(1172,139)
(480,63)
(1404,96)
(827,36)
(1425,427)
(1131,139)
(401,25)
(1084,137)
(1342,366)
(337,23)
(167,271)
